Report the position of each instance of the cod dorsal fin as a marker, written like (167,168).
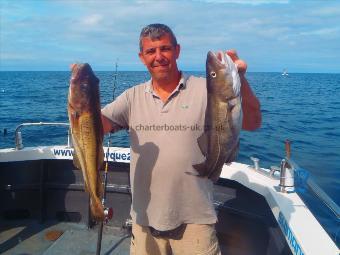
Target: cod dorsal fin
(76,161)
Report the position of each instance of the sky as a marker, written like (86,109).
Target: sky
(302,36)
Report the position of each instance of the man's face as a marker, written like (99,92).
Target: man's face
(160,56)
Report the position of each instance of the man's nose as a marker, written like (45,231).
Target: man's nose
(159,55)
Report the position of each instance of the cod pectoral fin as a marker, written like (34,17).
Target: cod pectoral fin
(97,209)
(201,168)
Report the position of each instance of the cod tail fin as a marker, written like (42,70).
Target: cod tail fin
(97,209)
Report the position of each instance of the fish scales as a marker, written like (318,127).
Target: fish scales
(223,118)
(87,132)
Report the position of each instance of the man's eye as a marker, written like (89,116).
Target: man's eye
(165,48)
(150,51)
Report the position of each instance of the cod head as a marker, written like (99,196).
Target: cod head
(222,75)
(84,87)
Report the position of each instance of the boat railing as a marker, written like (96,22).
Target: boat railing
(18,135)
(291,174)
(293,177)
(303,179)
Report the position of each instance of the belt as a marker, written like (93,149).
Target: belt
(176,233)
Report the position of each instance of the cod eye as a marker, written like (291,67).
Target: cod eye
(84,86)
(213,74)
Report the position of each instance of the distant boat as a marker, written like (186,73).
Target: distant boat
(284,73)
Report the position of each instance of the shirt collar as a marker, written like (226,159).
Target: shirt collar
(181,84)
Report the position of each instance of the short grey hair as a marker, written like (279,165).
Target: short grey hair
(155,32)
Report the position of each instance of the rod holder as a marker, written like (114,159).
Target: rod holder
(286,177)
(18,141)
(256,162)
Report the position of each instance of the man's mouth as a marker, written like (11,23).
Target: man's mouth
(161,68)
(160,65)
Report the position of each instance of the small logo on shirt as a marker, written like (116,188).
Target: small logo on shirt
(185,106)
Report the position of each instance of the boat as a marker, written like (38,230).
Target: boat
(284,72)
(45,209)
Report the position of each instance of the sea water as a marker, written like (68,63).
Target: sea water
(301,107)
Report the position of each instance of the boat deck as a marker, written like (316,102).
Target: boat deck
(32,237)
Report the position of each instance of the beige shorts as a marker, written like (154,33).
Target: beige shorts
(196,240)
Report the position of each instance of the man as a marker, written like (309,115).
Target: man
(172,211)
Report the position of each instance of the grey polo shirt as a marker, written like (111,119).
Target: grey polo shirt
(164,147)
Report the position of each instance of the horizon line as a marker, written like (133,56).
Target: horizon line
(310,72)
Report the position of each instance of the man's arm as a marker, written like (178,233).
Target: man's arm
(251,108)
(107,124)
(115,116)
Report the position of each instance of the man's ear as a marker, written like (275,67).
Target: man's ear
(141,57)
(178,50)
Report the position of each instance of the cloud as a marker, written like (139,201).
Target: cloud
(246,2)
(324,32)
(326,11)
(274,32)
(16,56)
(92,20)
(102,31)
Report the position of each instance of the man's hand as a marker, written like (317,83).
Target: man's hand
(252,117)
(241,65)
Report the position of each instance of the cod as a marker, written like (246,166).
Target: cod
(87,132)
(223,117)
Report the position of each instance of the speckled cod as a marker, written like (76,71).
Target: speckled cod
(223,118)
(87,132)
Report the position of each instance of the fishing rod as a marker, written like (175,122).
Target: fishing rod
(108,212)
